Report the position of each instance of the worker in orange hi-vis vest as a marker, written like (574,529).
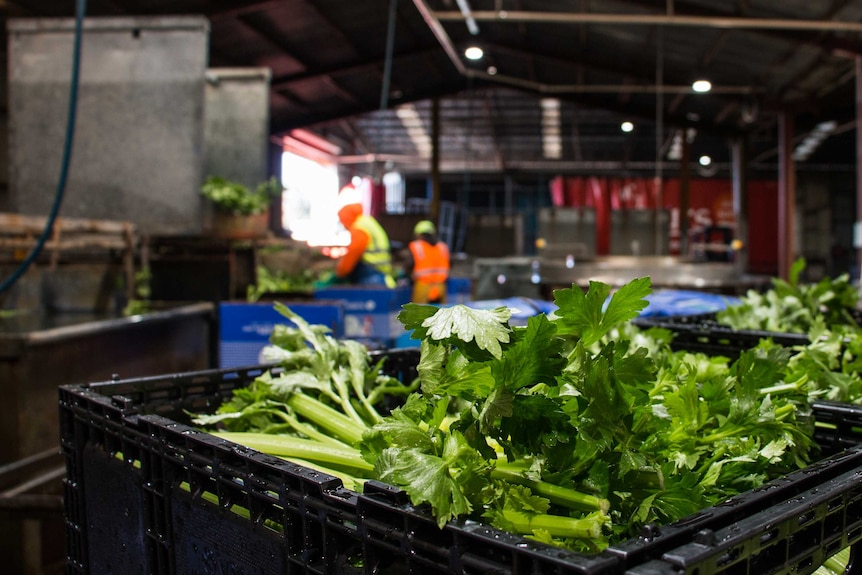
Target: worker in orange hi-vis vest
(368,259)
(430,264)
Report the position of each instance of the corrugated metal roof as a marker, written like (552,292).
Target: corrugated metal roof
(606,61)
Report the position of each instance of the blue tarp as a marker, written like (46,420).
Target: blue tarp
(665,303)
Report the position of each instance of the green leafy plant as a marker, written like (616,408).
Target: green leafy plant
(140,303)
(279,281)
(235,198)
(796,307)
(569,430)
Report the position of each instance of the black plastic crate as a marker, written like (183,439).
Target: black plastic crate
(400,538)
(793,536)
(147,493)
(703,333)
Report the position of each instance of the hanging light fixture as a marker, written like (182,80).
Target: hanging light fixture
(473,53)
(701,86)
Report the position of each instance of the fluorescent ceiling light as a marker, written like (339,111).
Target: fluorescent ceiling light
(464,6)
(552,145)
(813,140)
(473,53)
(627,127)
(701,86)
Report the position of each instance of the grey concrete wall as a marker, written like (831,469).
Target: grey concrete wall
(236,124)
(139,132)
(4,140)
(236,127)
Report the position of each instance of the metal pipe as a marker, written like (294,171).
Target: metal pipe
(520,16)
(372,158)
(390,47)
(439,33)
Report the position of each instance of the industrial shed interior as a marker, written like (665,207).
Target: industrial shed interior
(710,146)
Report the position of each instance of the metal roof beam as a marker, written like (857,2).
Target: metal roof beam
(357,66)
(735,23)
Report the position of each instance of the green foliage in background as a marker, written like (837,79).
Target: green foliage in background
(140,303)
(238,199)
(279,281)
(795,307)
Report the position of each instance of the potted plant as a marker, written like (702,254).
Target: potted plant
(239,211)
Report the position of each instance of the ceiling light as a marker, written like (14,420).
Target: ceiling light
(627,127)
(473,53)
(492,70)
(701,86)
(704,161)
(813,140)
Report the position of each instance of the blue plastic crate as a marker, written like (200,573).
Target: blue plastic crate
(244,328)
(370,312)
(671,303)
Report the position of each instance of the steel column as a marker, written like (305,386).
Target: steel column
(857,231)
(740,203)
(786,195)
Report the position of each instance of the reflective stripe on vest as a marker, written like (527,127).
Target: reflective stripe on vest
(377,253)
(430,263)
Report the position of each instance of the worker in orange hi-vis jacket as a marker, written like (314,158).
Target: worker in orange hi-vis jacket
(368,259)
(430,264)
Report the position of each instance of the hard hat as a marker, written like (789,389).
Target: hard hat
(424,227)
(349,196)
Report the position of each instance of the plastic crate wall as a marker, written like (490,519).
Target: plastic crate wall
(702,333)
(794,536)
(145,494)
(148,494)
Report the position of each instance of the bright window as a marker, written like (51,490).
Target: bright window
(309,210)
(394,184)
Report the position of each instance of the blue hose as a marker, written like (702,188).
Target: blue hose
(80,10)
